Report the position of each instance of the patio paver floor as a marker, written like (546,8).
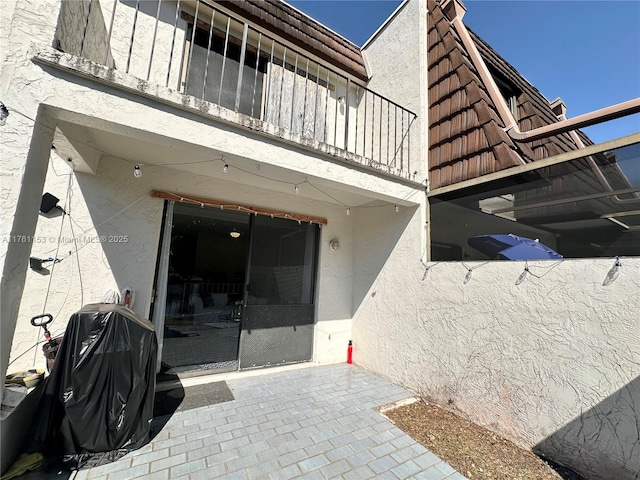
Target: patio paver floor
(318,422)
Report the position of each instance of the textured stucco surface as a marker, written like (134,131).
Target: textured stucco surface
(83,107)
(394,58)
(552,363)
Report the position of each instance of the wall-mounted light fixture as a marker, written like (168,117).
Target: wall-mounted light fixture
(334,245)
(48,203)
(36,263)
(234,233)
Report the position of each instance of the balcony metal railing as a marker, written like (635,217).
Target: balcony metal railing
(200,50)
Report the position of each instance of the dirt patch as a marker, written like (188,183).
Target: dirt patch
(475,452)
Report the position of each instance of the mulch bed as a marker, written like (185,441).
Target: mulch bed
(474,451)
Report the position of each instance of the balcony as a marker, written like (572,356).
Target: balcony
(201,52)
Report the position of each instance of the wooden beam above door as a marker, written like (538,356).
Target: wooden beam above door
(210,202)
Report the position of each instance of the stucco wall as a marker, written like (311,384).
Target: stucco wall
(395,58)
(35,91)
(82,27)
(551,363)
(117,226)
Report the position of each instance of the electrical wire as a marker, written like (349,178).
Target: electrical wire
(549,268)
(75,241)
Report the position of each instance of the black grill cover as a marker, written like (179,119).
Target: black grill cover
(99,396)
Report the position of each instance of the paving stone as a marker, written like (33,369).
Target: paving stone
(385,449)
(426,460)
(205,451)
(383,464)
(335,469)
(208,473)
(311,423)
(361,458)
(129,473)
(431,473)
(445,468)
(263,468)
(339,453)
(361,473)
(318,448)
(149,457)
(188,467)
(315,475)
(242,463)
(168,462)
(404,455)
(222,457)
(406,469)
(121,464)
(169,442)
(292,471)
(313,463)
(293,457)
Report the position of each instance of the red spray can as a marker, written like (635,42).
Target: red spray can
(350,352)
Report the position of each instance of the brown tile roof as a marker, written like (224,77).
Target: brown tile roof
(288,23)
(466,134)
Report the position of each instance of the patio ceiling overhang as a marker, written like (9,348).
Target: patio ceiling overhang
(86,142)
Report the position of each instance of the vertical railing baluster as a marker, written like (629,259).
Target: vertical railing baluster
(191,47)
(293,92)
(380,134)
(224,59)
(326,104)
(346,116)
(173,43)
(315,101)
(255,72)
(409,146)
(402,146)
(267,106)
(133,31)
(84,29)
(395,134)
(357,111)
(373,123)
(108,49)
(153,42)
(364,134)
(335,119)
(284,69)
(206,63)
(388,113)
(304,107)
(243,52)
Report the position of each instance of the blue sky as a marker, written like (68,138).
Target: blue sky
(586,52)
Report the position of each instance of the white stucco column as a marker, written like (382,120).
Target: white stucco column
(24,167)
